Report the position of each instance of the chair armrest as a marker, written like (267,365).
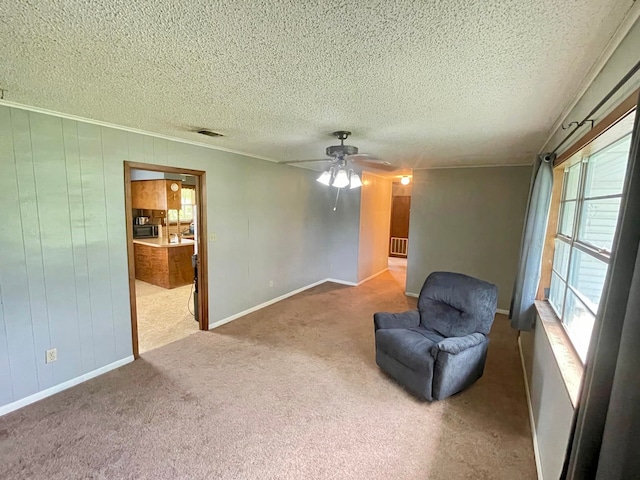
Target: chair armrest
(455,345)
(396,320)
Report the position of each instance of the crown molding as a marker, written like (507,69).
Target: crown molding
(100,123)
(616,39)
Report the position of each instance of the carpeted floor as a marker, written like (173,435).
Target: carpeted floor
(289,392)
(163,315)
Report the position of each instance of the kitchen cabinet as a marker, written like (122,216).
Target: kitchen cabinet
(156,194)
(164,264)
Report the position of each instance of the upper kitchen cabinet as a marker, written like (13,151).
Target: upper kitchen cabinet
(156,194)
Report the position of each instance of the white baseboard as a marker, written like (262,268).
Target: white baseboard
(536,451)
(287,295)
(265,304)
(341,282)
(502,311)
(373,276)
(23,402)
(411,294)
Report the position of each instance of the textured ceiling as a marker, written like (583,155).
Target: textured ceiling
(419,83)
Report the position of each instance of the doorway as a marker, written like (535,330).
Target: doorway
(399,227)
(167,253)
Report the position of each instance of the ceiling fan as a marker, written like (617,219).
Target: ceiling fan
(339,174)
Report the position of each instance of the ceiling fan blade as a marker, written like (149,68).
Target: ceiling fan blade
(306,161)
(377,165)
(362,156)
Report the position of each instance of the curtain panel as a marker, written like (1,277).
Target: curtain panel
(522,312)
(604,440)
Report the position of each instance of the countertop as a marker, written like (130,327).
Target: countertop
(162,242)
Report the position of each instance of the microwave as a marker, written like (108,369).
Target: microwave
(145,231)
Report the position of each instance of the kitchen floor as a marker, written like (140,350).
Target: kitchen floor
(163,315)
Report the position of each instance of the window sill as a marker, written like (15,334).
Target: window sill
(569,364)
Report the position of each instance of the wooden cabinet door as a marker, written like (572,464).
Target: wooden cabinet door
(148,194)
(156,195)
(174,198)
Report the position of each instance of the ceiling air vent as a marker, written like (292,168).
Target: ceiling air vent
(209,133)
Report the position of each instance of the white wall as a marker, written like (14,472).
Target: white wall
(63,261)
(467,220)
(344,230)
(375,222)
(549,401)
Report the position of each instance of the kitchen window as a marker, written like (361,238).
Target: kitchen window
(188,200)
(589,208)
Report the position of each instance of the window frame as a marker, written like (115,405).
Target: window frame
(573,242)
(184,220)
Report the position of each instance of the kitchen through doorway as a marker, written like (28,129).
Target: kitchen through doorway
(166,246)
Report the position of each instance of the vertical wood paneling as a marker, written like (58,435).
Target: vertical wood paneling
(6,387)
(93,197)
(63,264)
(78,244)
(135,143)
(148,149)
(172,149)
(20,122)
(57,253)
(160,151)
(115,152)
(13,272)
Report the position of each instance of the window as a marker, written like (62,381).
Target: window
(589,209)
(188,198)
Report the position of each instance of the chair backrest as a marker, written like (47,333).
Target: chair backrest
(454,304)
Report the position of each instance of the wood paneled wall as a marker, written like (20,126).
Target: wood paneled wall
(63,254)
(62,192)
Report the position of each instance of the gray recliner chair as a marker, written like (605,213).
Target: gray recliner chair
(440,348)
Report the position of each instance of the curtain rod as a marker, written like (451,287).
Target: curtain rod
(606,98)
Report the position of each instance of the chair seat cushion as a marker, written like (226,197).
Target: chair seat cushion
(411,347)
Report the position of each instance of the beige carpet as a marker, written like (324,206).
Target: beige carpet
(289,392)
(163,315)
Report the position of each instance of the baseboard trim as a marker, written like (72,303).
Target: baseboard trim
(502,311)
(373,276)
(341,282)
(411,294)
(23,402)
(534,439)
(265,304)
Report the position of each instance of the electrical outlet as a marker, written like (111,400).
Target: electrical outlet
(270,283)
(213,237)
(52,355)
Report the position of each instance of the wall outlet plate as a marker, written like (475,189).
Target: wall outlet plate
(52,355)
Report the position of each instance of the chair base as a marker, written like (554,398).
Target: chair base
(418,383)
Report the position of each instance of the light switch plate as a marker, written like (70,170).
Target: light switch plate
(213,237)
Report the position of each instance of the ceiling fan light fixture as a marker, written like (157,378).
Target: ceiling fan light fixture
(405,180)
(342,179)
(355,181)
(325,178)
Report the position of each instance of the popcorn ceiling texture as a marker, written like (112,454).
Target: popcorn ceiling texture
(420,83)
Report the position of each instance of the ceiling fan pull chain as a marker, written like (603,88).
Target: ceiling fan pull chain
(337,196)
